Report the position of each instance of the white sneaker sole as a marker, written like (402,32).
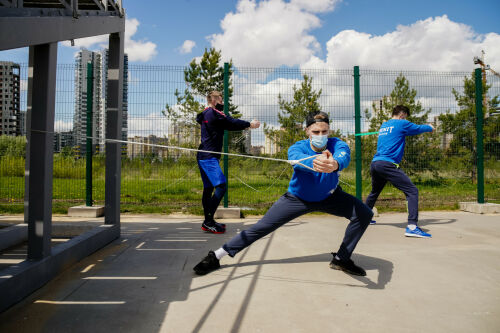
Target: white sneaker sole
(417,236)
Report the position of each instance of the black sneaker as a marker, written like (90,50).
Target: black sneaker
(208,264)
(213,227)
(347,266)
(223,225)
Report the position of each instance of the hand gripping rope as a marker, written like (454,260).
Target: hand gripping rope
(291,162)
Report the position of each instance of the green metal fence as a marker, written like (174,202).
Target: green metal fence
(160,108)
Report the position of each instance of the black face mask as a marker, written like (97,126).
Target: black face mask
(219,107)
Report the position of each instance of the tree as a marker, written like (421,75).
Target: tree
(201,78)
(461,127)
(421,150)
(292,115)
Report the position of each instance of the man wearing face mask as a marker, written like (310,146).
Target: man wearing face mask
(213,122)
(308,191)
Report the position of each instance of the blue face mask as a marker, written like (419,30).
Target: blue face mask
(319,141)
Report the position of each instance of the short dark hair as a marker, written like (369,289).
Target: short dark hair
(398,109)
(316,117)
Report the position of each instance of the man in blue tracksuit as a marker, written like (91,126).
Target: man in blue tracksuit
(213,122)
(385,165)
(308,191)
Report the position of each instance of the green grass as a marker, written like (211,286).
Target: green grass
(154,187)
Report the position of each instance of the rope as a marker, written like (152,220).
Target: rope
(291,162)
(367,133)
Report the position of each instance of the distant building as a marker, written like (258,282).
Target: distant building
(136,149)
(183,134)
(99,61)
(10,86)
(22,123)
(63,139)
(272,145)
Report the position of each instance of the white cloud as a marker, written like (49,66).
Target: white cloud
(436,44)
(316,6)
(151,124)
(187,47)
(24,85)
(271,32)
(63,126)
(137,50)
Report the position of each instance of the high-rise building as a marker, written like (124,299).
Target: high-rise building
(63,139)
(10,84)
(99,62)
(80,117)
(22,123)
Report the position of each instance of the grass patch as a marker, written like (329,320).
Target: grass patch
(149,186)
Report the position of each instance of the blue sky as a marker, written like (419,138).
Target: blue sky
(163,27)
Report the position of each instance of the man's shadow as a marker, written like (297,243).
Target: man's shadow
(384,267)
(421,223)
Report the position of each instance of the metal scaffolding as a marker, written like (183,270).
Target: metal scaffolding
(40,25)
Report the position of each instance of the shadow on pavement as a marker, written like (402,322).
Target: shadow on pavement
(421,223)
(384,267)
(129,285)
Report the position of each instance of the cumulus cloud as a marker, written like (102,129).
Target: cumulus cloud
(187,47)
(437,44)
(271,33)
(137,50)
(151,124)
(63,126)
(316,6)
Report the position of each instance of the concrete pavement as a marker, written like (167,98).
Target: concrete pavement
(144,282)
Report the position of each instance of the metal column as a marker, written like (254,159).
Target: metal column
(88,147)
(28,136)
(479,136)
(114,128)
(41,150)
(357,124)
(226,133)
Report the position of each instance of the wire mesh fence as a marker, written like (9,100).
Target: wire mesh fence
(154,179)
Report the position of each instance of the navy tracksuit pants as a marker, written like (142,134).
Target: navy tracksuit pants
(289,207)
(384,171)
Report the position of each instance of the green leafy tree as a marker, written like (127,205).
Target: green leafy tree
(461,128)
(421,151)
(292,116)
(201,78)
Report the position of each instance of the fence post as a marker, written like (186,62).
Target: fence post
(88,169)
(226,138)
(357,124)
(479,136)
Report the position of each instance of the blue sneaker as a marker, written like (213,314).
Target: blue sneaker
(373,222)
(416,233)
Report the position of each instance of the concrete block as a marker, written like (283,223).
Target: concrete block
(86,211)
(478,208)
(228,213)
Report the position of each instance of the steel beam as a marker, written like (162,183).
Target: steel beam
(41,150)
(28,136)
(16,32)
(114,128)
